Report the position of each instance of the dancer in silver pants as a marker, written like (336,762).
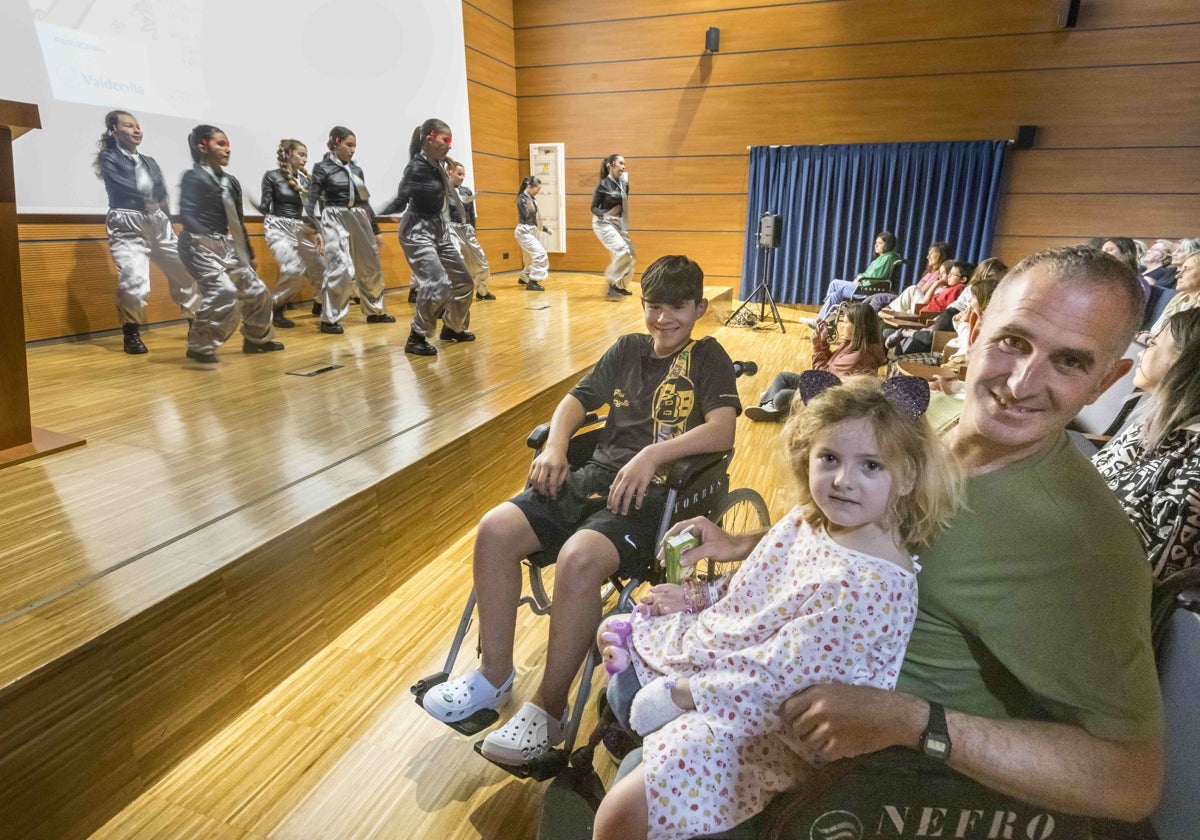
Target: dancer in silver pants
(294,246)
(138,227)
(610,230)
(473,257)
(610,223)
(231,290)
(445,287)
(533,252)
(351,260)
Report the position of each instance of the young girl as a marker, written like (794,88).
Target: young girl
(859,350)
(918,294)
(828,595)
(533,253)
(350,233)
(215,248)
(462,230)
(138,227)
(294,241)
(946,294)
(611,226)
(444,287)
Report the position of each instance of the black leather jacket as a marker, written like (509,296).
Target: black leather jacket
(120,181)
(422,189)
(462,211)
(527,213)
(279,197)
(331,187)
(609,193)
(201,209)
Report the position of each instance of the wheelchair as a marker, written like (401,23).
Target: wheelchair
(696,486)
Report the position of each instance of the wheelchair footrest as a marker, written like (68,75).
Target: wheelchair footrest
(539,769)
(472,725)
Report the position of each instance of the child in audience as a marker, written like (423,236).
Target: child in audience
(828,595)
(859,350)
(215,249)
(918,294)
(669,397)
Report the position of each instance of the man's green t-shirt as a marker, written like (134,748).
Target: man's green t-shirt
(1035,604)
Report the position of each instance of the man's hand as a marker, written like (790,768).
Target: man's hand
(833,721)
(715,544)
(548,471)
(629,487)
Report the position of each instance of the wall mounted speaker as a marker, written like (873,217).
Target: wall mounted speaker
(712,39)
(1068,14)
(1026,136)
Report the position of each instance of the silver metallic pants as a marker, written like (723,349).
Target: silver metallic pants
(351,259)
(473,258)
(231,291)
(613,236)
(135,238)
(537,264)
(294,247)
(444,287)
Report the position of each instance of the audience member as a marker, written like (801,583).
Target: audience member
(874,275)
(1047,679)
(1187,291)
(918,294)
(859,349)
(1156,264)
(829,594)
(1154,465)
(669,397)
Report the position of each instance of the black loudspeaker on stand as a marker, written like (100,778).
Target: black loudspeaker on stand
(769,232)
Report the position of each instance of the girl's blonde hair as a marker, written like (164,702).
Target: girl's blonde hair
(912,451)
(286,146)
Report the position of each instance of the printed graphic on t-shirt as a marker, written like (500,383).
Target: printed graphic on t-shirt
(674,398)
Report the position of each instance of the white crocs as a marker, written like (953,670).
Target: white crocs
(458,699)
(529,734)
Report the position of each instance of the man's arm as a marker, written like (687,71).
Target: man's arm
(715,434)
(1054,765)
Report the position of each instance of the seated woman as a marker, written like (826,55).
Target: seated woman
(1187,288)
(859,350)
(918,294)
(1125,249)
(1156,264)
(1154,465)
(880,270)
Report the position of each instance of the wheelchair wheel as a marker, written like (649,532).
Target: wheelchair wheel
(740,511)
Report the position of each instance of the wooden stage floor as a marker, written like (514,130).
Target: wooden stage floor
(188,471)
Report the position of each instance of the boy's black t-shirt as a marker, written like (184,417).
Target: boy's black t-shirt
(653,399)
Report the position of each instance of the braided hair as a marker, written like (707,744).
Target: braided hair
(286,147)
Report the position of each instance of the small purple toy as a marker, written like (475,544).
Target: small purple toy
(616,637)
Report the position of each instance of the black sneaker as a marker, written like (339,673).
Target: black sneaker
(202,358)
(357,301)
(382,318)
(412,294)
(450,336)
(418,346)
(133,340)
(613,293)
(487,296)
(625,292)
(534,286)
(281,320)
(331,329)
(249,346)
(316,309)
(521,280)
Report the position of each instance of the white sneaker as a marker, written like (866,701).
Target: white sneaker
(529,734)
(458,699)
(766,413)
(811,323)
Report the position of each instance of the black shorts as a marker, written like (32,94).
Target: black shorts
(581,506)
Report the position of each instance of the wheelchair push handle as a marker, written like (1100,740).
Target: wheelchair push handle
(746,368)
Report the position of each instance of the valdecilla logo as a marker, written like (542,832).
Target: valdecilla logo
(836,825)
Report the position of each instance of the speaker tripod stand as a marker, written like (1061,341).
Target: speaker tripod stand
(761,294)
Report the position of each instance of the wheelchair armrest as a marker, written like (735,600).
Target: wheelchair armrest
(683,470)
(541,432)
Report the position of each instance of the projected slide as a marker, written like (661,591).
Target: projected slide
(261,70)
(143,52)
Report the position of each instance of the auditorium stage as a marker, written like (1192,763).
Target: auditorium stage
(230,521)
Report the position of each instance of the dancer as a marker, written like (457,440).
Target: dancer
(533,252)
(444,286)
(294,241)
(828,595)
(462,230)
(139,229)
(215,248)
(349,232)
(610,223)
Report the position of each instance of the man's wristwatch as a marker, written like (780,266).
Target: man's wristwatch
(935,740)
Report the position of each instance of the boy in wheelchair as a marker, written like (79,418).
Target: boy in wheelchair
(669,397)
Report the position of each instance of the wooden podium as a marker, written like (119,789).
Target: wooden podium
(19,441)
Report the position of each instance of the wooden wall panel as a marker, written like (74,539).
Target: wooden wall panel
(719,254)
(493,120)
(488,71)
(766,28)
(1036,51)
(502,10)
(690,176)
(550,12)
(1139,216)
(1155,172)
(496,181)
(488,34)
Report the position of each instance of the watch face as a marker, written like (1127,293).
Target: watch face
(936,746)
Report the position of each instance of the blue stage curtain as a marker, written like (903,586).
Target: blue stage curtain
(834,199)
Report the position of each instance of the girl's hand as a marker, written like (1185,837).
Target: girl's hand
(664,599)
(320,245)
(379,242)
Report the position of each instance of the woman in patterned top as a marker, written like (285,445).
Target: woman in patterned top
(828,595)
(1154,465)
